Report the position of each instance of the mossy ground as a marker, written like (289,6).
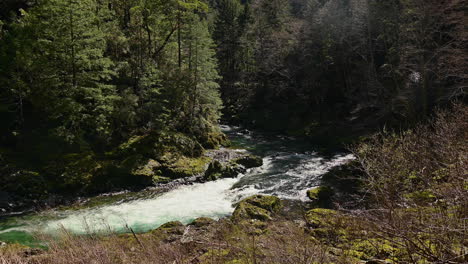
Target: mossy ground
(327,236)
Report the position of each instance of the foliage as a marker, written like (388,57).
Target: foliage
(359,64)
(106,80)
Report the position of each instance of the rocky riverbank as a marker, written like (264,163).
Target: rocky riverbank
(211,165)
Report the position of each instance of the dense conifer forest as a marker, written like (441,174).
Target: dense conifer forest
(101,96)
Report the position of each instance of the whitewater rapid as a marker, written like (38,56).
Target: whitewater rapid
(287,172)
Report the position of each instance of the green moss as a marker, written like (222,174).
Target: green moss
(216,170)
(249,211)
(267,202)
(237,261)
(130,143)
(186,167)
(320,217)
(258,207)
(171,224)
(202,222)
(421,197)
(327,226)
(214,140)
(173,227)
(75,171)
(217,254)
(12,249)
(321,196)
(160,179)
(366,249)
(149,169)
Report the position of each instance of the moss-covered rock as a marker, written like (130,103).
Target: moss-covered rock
(149,169)
(185,167)
(173,227)
(267,202)
(320,217)
(216,170)
(220,255)
(156,145)
(322,195)
(249,211)
(214,140)
(344,179)
(328,226)
(260,207)
(232,170)
(202,222)
(249,161)
(370,248)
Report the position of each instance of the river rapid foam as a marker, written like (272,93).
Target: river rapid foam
(288,171)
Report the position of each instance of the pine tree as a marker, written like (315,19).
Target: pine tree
(206,102)
(227,36)
(71,73)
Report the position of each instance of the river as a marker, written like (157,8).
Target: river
(290,167)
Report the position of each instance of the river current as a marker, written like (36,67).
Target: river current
(290,168)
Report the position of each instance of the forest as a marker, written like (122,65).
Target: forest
(104,97)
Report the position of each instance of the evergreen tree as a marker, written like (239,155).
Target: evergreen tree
(227,35)
(68,72)
(205,98)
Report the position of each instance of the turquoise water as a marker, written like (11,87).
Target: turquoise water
(290,168)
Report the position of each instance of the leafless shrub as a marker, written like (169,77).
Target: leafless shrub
(418,184)
(281,242)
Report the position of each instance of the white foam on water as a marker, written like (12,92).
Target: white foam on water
(294,183)
(211,199)
(285,174)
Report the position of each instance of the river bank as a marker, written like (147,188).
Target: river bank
(289,169)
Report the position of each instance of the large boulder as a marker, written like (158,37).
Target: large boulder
(321,195)
(169,232)
(214,171)
(217,170)
(259,207)
(249,161)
